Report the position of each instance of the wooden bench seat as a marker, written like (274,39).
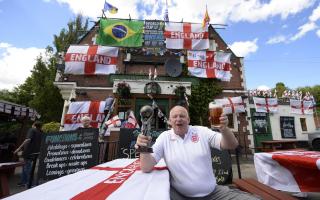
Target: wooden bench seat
(264,191)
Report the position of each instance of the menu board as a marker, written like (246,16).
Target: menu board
(153,33)
(287,127)
(260,123)
(222,166)
(67,152)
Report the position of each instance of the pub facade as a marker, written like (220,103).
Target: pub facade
(156,74)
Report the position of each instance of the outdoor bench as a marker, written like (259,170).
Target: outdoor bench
(265,192)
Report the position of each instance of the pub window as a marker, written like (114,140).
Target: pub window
(303,124)
(231,121)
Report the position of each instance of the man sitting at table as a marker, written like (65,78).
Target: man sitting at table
(186,151)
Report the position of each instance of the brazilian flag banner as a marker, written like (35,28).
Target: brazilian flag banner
(125,33)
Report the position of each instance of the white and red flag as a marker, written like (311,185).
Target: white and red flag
(301,107)
(210,64)
(266,105)
(231,105)
(115,180)
(291,171)
(90,60)
(186,36)
(78,109)
(113,122)
(132,121)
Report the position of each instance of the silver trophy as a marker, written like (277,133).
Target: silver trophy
(146,113)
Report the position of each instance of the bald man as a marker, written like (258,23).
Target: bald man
(186,151)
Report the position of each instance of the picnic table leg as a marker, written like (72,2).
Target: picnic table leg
(4,185)
(238,149)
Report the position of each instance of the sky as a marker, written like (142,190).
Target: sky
(279,39)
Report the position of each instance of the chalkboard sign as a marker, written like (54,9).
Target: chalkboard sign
(222,166)
(153,33)
(260,123)
(127,140)
(67,152)
(287,127)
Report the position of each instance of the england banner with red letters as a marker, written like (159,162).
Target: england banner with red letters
(90,60)
(291,171)
(301,107)
(78,109)
(266,105)
(114,180)
(186,36)
(209,64)
(231,105)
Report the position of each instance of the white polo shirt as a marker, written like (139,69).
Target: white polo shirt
(189,159)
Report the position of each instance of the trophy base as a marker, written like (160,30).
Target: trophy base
(144,150)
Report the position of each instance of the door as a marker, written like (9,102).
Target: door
(260,126)
(158,123)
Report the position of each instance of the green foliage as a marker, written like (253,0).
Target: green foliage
(75,31)
(51,127)
(280,87)
(202,94)
(7,95)
(9,127)
(38,90)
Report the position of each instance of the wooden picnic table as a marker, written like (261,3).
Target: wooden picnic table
(5,169)
(274,145)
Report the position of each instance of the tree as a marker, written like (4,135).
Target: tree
(76,30)
(280,87)
(202,94)
(7,95)
(38,90)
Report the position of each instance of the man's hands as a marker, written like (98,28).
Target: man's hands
(224,122)
(142,140)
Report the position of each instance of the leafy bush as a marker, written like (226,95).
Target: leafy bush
(51,127)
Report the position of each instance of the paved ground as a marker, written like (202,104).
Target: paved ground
(247,171)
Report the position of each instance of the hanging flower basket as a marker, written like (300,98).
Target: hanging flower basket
(152,88)
(180,91)
(123,90)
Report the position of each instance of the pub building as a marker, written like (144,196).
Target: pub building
(156,73)
(284,124)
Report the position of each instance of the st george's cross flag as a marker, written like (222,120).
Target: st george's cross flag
(91,60)
(115,180)
(209,64)
(78,109)
(299,170)
(301,107)
(231,105)
(186,36)
(266,105)
(132,121)
(113,122)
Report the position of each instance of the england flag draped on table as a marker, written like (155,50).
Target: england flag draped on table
(115,180)
(186,36)
(90,60)
(301,107)
(78,109)
(266,105)
(231,105)
(209,64)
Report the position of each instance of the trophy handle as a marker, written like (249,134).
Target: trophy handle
(146,114)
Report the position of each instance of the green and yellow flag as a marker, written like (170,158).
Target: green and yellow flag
(125,33)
